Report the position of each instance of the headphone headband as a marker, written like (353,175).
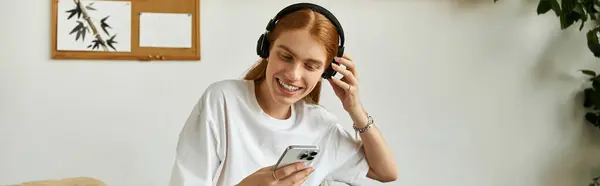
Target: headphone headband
(295,7)
(262,46)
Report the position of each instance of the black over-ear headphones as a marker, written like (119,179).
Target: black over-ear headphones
(263,45)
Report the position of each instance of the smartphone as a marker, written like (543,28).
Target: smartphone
(297,153)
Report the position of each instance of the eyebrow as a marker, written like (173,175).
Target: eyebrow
(319,62)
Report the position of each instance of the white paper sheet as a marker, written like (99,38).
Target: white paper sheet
(168,30)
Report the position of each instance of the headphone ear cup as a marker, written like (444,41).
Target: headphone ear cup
(262,46)
(340,51)
(259,45)
(329,72)
(266,45)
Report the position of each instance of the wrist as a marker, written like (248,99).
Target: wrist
(359,116)
(362,128)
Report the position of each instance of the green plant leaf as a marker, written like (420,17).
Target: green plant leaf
(592,118)
(596,78)
(594,97)
(591,9)
(567,19)
(587,101)
(543,7)
(592,41)
(589,72)
(596,85)
(579,9)
(582,14)
(568,16)
(546,5)
(568,5)
(555,7)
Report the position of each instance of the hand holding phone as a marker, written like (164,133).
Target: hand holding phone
(292,168)
(298,154)
(293,174)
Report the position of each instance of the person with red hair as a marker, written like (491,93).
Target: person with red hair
(239,128)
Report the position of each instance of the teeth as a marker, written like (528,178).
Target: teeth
(288,87)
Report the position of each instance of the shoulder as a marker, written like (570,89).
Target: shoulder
(216,93)
(213,102)
(225,86)
(320,115)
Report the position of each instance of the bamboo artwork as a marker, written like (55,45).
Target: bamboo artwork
(125,30)
(102,20)
(86,17)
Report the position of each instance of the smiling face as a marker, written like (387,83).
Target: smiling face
(294,67)
(301,45)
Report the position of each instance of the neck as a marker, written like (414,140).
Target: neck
(269,105)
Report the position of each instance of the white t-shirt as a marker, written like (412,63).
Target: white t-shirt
(228,137)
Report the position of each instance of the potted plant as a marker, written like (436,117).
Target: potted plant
(568,13)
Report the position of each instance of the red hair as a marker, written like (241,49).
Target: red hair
(322,30)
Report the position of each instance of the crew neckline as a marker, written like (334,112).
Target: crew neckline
(252,94)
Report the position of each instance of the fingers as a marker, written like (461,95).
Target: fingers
(264,169)
(346,62)
(342,85)
(348,75)
(297,178)
(349,72)
(301,181)
(289,170)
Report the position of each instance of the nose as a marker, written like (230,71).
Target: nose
(294,72)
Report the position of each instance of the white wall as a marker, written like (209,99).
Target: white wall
(467,94)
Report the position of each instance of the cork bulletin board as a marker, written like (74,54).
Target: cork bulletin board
(126,29)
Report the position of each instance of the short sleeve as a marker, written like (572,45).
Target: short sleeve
(199,152)
(350,165)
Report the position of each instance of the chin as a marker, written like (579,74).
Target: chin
(286,96)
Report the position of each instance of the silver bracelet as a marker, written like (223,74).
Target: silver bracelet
(366,128)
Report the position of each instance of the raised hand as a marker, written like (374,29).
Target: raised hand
(346,88)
